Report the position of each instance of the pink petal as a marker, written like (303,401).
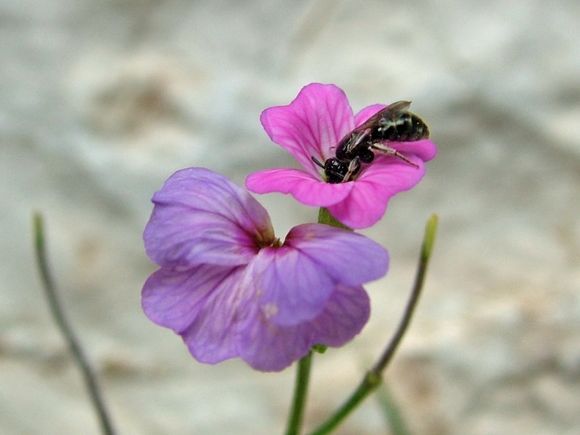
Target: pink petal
(202,217)
(381,180)
(316,120)
(302,186)
(424,149)
(351,259)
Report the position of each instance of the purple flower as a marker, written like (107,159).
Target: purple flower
(231,289)
(310,126)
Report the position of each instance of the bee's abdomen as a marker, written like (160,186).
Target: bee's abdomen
(407,127)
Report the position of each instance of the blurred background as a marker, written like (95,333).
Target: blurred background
(101,101)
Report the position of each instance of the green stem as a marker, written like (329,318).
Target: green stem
(300,391)
(392,412)
(373,377)
(368,384)
(66,329)
(324,217)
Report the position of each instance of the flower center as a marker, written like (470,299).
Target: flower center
(270,242)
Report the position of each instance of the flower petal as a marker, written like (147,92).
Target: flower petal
(302,186)
(424,149)
(267,346)
(381,180)
(204,305)
(315,121)
(350,258)
(171,298)
(292,288)
(345,314)
(202,217)
(214,334)
(294,282)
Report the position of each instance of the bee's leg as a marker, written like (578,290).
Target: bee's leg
(392,152)
(353,167)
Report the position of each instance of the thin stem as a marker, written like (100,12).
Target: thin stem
(373,378)
(300,391)
(324,217)
(66,329)
(426,249)
(368,384)
(392,412)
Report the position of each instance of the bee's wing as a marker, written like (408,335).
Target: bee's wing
(354,137)
(386,112)
(399,106)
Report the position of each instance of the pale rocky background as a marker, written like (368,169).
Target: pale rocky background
(100,101)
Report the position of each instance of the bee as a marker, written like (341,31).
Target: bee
(394,123)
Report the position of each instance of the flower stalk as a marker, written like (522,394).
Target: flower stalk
(373,378)
(300,391)
(65,327)
(324,217)
(395,419)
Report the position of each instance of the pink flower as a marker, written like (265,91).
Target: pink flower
(231,289)
(310,126)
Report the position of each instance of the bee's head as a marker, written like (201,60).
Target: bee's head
(335,170)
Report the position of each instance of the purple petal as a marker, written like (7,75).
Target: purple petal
(316,120)
(381,180)
(367,112)
(351,259)
(171,298)
(203,305)
(345,314)
(214,334)
(302,186)
(201,217)
(292,288)
(267,346)
(293,282)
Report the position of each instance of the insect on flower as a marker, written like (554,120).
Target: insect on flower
(394,123)
(319,129)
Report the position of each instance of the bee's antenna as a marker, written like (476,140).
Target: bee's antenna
(317,162)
